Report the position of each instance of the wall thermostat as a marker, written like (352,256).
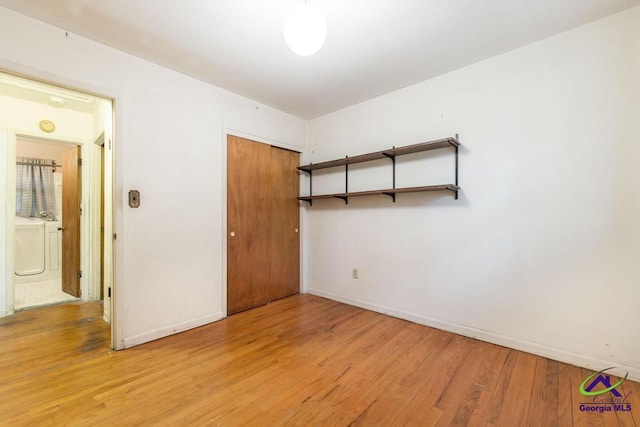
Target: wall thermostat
(134,198)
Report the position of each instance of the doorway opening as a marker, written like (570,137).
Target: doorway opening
(47,227)
(57,251)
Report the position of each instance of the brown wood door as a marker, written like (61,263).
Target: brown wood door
(71,184)
(263,246)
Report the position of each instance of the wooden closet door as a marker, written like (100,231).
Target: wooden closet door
(263,251)
(284,214)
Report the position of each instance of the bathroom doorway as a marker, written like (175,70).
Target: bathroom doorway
(47,229)
(73,122)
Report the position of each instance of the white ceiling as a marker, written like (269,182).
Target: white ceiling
(373,46)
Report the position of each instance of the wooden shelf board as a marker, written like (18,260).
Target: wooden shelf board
(390,191)
(346,161)
(424,146)
(409,149)
(322,196)
(450,187)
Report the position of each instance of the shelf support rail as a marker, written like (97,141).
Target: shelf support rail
(310,187)
(457,187)
(346,182)
(393,163)
(310,172)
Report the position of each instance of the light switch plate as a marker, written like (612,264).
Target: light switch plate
(134,198)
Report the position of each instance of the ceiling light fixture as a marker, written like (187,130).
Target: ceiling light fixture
(56,100)
(305,29)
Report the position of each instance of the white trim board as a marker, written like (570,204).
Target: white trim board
(170,330)
(505,341)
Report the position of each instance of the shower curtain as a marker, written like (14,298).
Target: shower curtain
(34,187)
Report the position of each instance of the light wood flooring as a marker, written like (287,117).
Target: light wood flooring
(302,360)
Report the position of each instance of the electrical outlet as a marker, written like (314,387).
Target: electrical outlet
(355,273)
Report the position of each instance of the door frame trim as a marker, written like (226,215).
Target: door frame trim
(226,132)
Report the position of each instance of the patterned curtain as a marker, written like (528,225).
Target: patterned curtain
(35,193)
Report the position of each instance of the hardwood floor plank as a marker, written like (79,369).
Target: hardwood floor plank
(302,361)
(499,392)
(488,377)
(326,386)
(543,409)
(463,393)
(517,399)
(437,380)
(393,362)
(565,393)
(409,379)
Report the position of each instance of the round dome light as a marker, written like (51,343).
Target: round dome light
(305,29)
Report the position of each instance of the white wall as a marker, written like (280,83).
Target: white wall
(541,251)
(168,144)
(34,148)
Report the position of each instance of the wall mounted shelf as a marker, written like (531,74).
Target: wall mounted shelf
(384,154)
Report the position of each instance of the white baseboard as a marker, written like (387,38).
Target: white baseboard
(576,359)
(3,313)
(170,330)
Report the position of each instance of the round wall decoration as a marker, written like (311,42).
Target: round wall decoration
(47,126)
